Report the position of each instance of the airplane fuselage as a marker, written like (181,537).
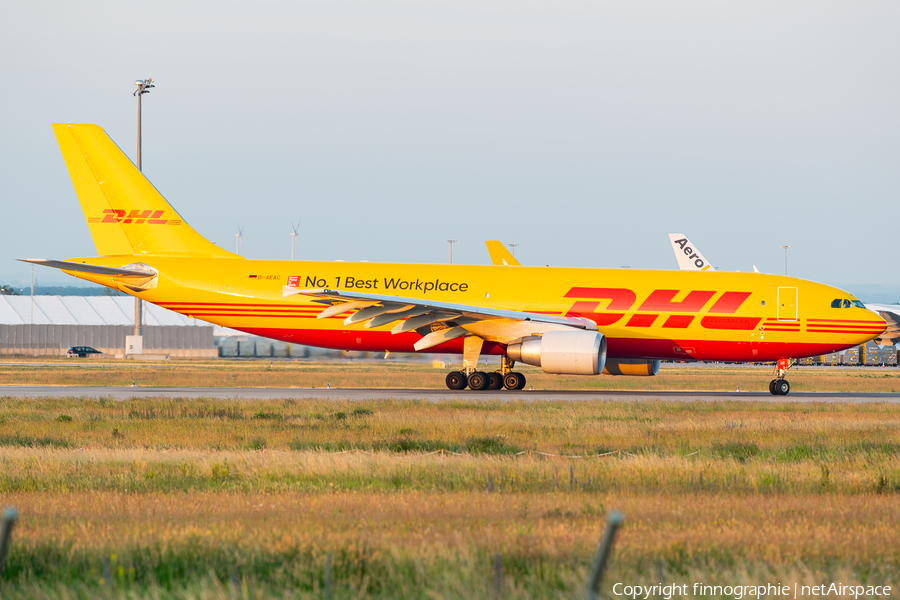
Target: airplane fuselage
(723,316)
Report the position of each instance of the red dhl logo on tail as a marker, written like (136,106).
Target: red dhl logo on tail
(150,217)
(619,301)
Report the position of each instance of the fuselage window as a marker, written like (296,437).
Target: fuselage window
(836,303)
(847,304)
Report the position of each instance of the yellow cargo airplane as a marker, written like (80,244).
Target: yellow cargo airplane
(564,320)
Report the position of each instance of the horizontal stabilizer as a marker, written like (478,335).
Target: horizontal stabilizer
(85,268)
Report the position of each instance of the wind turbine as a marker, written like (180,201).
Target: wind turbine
(237,239)
(294,235)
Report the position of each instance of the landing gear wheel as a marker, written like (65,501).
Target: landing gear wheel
(782,387)
(456,380)
(772,388)
(514,381)
(495,381)
(478,381)
(510,381)
(521,381)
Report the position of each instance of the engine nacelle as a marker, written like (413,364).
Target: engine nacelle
(564,352)
(631,366)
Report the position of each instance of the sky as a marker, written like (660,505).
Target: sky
(584,132)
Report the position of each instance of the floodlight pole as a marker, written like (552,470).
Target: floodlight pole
(451,249)
(785,258)
(144,86)
(513,246)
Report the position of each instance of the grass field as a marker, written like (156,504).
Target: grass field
(162,498)
(393,375)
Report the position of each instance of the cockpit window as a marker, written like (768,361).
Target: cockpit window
(858,304)
(846,303)
(836,303)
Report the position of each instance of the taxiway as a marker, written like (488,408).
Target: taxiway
(124,393)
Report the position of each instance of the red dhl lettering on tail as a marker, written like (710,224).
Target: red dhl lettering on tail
(137,217)
(619,301)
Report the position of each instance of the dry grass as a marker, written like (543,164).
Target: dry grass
(772,529)
(395,375)
(561,427)
(421,544)
(223,499)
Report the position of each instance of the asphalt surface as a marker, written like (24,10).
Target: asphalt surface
(130,364)
(123,393)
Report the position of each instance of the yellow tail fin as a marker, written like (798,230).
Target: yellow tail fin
(499,254)
(125,213)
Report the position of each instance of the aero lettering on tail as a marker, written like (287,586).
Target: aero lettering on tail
(687,255)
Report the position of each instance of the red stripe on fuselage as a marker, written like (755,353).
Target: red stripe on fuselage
(869,321)
(240,305)
(379,341)
(730,323)
(854,331)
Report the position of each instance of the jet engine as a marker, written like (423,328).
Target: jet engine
(564,352)
(631,366)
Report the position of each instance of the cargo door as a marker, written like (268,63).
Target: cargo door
(787,304)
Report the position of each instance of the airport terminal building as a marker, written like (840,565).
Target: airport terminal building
(49,325)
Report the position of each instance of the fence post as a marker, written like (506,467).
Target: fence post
(8,519)
(613,522)
(107,571)
(497,579)
(328,577)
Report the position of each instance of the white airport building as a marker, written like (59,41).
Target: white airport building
(49,325)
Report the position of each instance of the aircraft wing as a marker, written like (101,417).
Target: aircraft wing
(687,255)
(414,313)
(499,254)
(891,314)
(85,268)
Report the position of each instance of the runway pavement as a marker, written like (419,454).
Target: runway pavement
(123,393)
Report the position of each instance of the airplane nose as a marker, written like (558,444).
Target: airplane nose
(883,326)
(872,328)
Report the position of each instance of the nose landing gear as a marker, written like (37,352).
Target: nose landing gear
(780,386)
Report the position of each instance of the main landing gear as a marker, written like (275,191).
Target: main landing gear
(780,386)
(477,380)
